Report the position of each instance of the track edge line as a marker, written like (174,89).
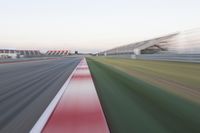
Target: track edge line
(39,125)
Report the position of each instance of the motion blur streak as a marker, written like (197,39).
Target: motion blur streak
(133,105)
(28,88)
(79,110)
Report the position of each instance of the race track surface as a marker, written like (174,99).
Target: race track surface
(27,88)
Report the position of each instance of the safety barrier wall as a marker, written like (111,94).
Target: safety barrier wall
(171,57)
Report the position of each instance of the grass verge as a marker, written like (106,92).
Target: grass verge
(132,105)
(180,78)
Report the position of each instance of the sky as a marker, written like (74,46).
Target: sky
(91,25)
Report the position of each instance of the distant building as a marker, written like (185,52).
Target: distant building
(5,53)
(10,53)
(185,42)
(76,52)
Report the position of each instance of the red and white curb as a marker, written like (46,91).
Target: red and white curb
(76,110)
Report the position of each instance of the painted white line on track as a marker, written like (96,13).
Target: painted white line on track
(37,128)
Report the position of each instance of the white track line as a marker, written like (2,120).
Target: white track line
(37,128)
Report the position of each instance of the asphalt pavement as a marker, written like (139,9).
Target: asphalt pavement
(27,88)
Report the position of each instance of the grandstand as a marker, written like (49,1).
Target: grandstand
(186,42)
(11,53)
(57,52)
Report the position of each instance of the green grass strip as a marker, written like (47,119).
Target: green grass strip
(132,105)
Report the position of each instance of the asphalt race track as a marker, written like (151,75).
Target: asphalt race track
(27,88)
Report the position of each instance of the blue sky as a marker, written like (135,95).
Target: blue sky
(91,25)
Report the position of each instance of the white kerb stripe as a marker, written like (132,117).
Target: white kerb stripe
(39,125)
